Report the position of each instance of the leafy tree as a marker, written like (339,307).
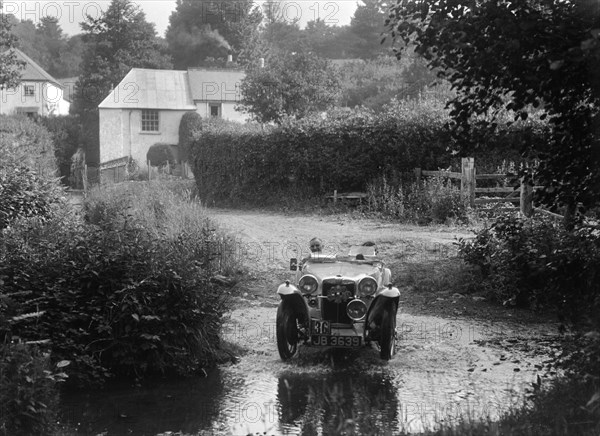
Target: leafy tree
(199,29)
(9,64)
(47,45)
(291,84)
(330,42)
(118,40)
(367,27)
(520,56)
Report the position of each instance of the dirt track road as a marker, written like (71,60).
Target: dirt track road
(445,366)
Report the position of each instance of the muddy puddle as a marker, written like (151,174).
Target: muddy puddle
(444,371)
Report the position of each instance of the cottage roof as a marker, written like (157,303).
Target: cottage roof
(215,84)
(32,71)
(151,89)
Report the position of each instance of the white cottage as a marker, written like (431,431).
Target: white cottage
(147,105)
(38,93)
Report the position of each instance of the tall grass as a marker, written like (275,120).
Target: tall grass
(433,200)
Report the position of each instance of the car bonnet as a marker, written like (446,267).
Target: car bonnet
(349,270)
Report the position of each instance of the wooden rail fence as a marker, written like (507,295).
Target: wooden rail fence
(523,195)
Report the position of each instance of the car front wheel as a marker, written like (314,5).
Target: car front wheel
(287,331)
(387,339)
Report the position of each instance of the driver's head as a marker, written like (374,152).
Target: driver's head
(316,245)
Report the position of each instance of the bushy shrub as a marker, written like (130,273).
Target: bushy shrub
(128,294)
(24,193)
(28,393)
(537,263)
(189,127)
(307,158)
(24,142)
(160,154)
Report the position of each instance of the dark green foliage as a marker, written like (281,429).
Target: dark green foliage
(66,136)
(525,57)
(199,29)
(535,263)
(28,394)
(160,154)
(10,66)
(292,84)
(125,295)
(23,193)
(27,143)
(189,126)
(314,156)
(27,168)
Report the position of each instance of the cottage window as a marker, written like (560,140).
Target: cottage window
(149,120)
(28,90)
(215,110)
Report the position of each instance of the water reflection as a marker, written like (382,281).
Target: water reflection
(339,403)
(189,406)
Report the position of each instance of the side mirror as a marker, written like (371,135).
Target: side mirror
(293,264)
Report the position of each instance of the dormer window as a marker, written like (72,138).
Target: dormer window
(28,90)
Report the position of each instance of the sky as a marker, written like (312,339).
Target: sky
(71,12)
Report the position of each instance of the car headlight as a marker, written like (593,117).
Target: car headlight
(356,310)
(308,284)
(367,286)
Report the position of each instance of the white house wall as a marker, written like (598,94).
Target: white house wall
(47,99)
(111,134)
(118,140)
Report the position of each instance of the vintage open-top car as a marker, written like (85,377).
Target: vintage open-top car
(338,301)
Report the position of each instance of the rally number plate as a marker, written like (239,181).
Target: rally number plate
(320,327)
(337,341)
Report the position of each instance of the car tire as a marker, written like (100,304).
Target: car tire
(387,338)
(286,331)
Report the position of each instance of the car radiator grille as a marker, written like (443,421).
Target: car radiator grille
(334,309)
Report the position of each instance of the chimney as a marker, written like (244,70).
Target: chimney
(261,62)
(229,58)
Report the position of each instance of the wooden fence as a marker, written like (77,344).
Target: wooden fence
(523,194)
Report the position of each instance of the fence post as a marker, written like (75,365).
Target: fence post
(84,179)
(334,196)
(149,170)
(526,200)
(467,182)
(418,175)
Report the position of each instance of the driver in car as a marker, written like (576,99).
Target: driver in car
(316,246)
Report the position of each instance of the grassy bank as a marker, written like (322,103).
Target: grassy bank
(121,289)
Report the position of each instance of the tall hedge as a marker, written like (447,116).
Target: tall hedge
(246,164)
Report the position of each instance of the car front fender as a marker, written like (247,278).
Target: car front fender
(390,292)
(299,304)
(287,289)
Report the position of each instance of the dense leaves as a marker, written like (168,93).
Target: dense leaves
(28,398)
(291,84)
(521,56)
(189,126)
(67,138)
(9,64)
(344,150)
(199,29)
(126,294)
